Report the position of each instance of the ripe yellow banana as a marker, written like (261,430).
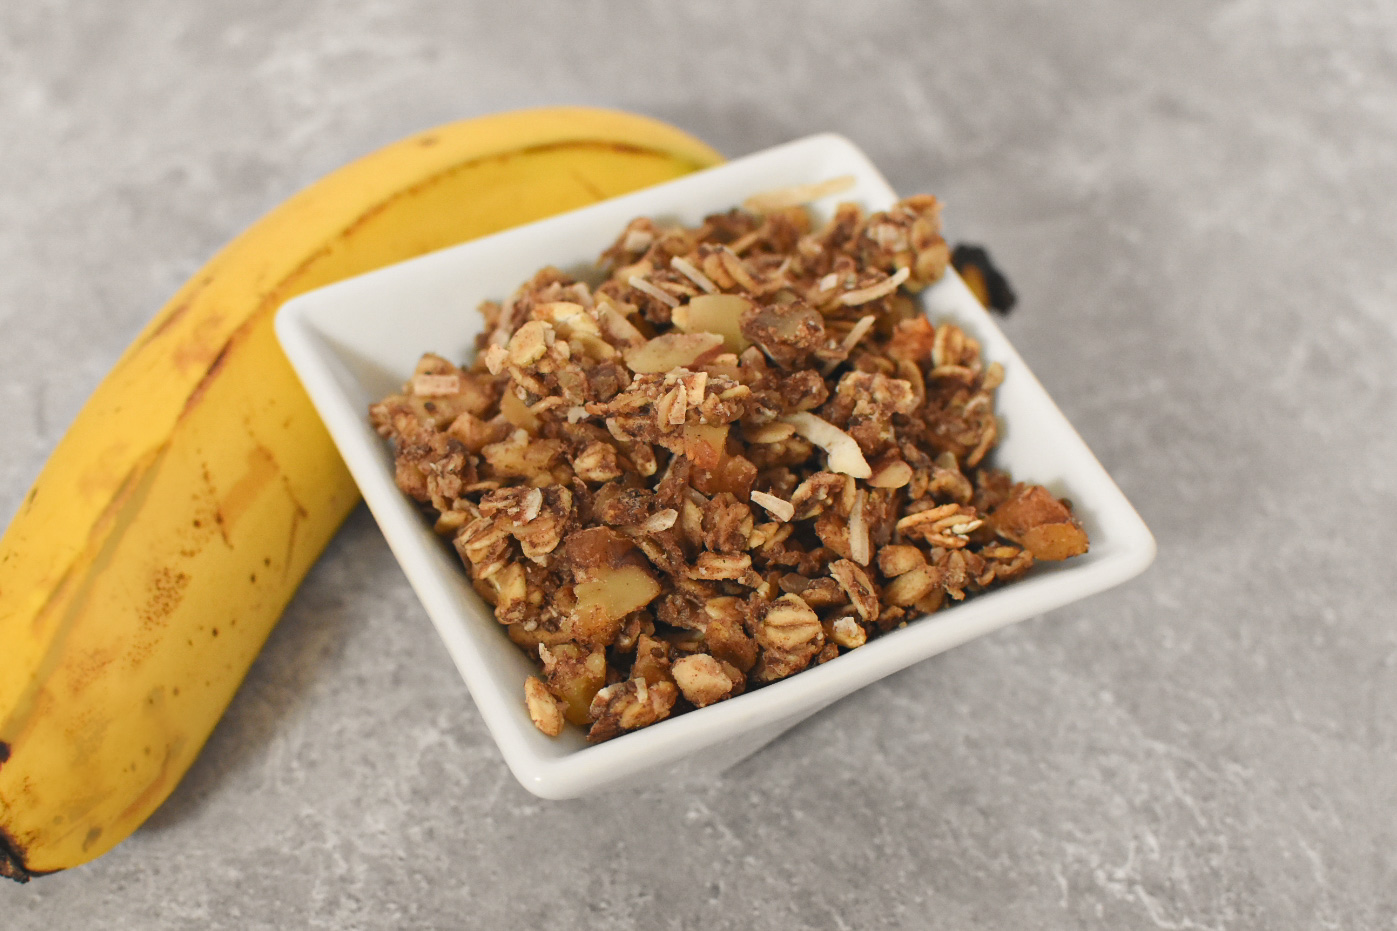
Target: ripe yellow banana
(174,521)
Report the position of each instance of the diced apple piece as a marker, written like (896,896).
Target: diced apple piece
(734,474)
(616,592)
(1050,542)
(715,313)
(704,443)
(574,674)
(597,547)
(518,413)
(672,351)
(1040,523)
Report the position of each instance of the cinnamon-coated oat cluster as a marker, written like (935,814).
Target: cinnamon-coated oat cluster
(745,452)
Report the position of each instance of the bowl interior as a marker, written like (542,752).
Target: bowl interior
(358,340)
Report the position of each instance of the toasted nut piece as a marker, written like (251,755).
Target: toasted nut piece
(529,343)
(897,559)
(496,357)
(544,709)
(672,351)
(701,678)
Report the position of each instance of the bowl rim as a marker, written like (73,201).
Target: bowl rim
(300,326)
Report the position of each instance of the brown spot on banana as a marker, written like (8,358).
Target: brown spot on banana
(262,469)
(12,859)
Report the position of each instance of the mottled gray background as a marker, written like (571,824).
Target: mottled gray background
(1196,203)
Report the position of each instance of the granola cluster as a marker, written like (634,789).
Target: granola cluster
(743,453)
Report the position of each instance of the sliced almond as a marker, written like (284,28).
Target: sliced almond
(671,351)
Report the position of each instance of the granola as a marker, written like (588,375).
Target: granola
(744,452)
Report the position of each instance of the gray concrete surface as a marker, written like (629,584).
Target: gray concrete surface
(1196,203)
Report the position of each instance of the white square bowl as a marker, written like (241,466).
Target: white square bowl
(358,340)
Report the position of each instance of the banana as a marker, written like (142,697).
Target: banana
(174,521)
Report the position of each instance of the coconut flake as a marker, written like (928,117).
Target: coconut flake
(844,453)
(858,332)
(533,503)
(858,530)
(779,509)
(660,520)
(797,194)
(874,291)
(640,284)
(687,269)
